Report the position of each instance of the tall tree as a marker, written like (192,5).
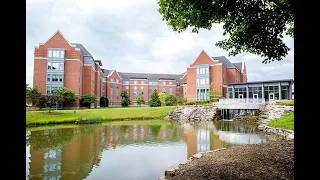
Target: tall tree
(125,99)
(154,100)
(33,95)
(253,26)
(213,93)
(140,100)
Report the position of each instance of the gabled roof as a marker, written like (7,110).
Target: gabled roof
(238,65)
(83,50)
(58,31)
(151,77)
(225,62)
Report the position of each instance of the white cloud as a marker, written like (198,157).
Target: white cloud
(130,36)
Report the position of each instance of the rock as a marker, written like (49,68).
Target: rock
(199,155)
(171,171)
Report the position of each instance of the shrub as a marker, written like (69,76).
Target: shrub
(104,102)
(170,100)
(154,100)
(140,100)
(125,99)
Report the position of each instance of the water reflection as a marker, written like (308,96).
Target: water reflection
(137,151)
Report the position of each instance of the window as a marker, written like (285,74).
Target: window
(202,81)
(207,70)
(54,78)
(61,54)
(117,80)
(60,77)
(49,65)
(201,70)
(142,82)
(134,82)
(141,90)
(55,54)
(127,87)
(170,90)
(135,93)
(104,79)
(49,53)
(126,82)
(170,82)
(55,66)
(207,80)
(117,92)
(61,66)
(198,81)
(111,92)
(48,90)
(164,90)
(197,70)
(163,83)
(111,80)
(103,85)
(48,77)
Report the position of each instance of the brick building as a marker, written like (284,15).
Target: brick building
(58,63)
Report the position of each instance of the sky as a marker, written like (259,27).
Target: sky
(130,36)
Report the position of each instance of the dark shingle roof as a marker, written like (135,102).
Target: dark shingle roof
(149,76)
(238,65)
(226,63)
(83,50)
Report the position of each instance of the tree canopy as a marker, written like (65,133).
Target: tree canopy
(253,26)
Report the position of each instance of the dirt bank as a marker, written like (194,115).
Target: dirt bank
(272,160)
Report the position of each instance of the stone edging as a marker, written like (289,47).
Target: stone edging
(287,134)
(263,126)
(170,172)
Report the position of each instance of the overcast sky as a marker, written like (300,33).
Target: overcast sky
(130,36)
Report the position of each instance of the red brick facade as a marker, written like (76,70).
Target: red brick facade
(84,75)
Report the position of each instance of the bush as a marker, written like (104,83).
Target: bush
(181,101)
(104,102)
(154,100)
(125,99)
(170,100)
(198,103)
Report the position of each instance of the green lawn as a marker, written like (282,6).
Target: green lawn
(107,114)
(285,122)
(285,103)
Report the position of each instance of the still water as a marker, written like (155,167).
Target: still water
(127,152)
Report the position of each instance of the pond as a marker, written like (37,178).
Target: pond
(127,150)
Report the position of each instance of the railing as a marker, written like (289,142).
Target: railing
(249,103)
(242,101)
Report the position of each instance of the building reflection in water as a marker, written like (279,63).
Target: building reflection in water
(72,153)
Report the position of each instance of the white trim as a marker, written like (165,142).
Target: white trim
(62,36)
(139,80)
(74,60)
(40,58)
(218,64)
(77,49)
(225,86)
(113,72)
(183,75)
(165,80)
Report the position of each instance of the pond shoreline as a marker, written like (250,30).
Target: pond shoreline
(238,162)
